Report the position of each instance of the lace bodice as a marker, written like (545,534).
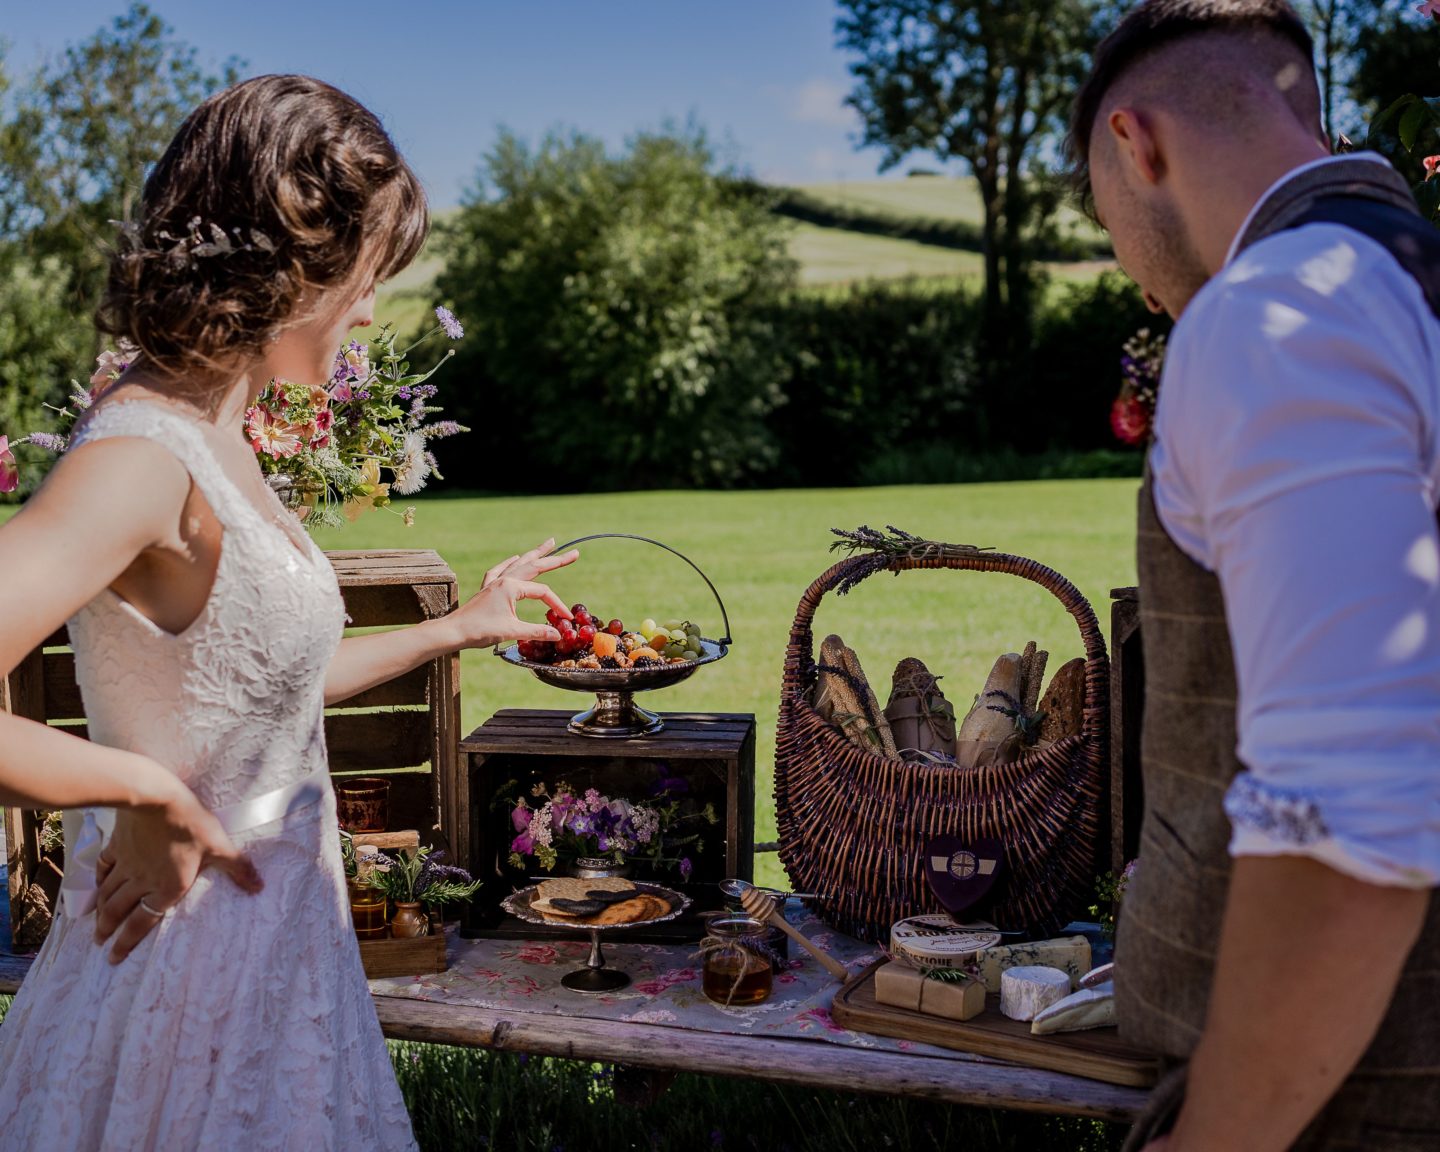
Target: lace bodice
(234,703)
(240,1021)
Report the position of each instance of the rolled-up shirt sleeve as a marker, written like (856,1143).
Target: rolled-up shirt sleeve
(1295,460)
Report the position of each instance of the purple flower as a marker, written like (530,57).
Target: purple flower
(524,844)
(46,440)
(449,323)
(686,867)
(520,819)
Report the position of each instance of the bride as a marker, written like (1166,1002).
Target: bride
(201,986)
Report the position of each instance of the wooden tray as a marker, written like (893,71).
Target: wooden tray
(1096,1054)
(397,957)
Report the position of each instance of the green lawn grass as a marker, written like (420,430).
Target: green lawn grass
(762,549)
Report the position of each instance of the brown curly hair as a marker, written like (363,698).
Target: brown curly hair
(276,188)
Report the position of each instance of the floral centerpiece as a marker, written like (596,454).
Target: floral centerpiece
(566,825)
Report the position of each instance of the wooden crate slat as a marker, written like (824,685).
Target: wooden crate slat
(410,688)
(370,741)
(62,693)
(387,605)
(391,957)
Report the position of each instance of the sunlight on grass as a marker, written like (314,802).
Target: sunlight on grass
(762,549)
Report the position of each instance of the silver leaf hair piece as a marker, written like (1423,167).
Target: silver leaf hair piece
(200,241)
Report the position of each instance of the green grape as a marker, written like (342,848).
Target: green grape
(674,650)
(648,627)
(671,624)
(678,635)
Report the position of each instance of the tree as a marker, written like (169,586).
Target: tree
(1395,56)
(83,131)
(988,83)
(619,312)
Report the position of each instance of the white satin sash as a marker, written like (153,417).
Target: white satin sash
(88,830)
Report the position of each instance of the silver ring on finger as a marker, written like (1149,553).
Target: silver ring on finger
(160,912)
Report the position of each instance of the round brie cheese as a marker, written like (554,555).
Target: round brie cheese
(937,941)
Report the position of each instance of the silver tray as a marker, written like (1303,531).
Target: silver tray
(615,714)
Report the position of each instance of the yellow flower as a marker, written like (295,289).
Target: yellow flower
(374,494)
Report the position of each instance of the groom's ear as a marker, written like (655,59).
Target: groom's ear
(1132,134)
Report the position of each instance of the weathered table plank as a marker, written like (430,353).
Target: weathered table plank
(806,1063)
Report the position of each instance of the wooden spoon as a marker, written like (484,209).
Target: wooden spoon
(759,905)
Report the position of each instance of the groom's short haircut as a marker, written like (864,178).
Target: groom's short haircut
(1270,25)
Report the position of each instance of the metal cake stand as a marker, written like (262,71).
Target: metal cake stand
(595,977)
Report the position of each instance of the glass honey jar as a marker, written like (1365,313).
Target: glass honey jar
(738,970)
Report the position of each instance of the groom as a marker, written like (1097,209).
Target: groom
(1279,946)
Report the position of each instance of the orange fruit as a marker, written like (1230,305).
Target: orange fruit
(605,644)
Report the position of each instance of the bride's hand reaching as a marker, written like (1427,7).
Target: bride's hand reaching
(489,616)
(151,861)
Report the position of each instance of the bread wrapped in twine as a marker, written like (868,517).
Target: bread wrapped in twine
(1063,706)
(844,697)
(921,719)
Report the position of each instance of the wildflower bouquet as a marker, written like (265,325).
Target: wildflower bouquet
(325,450)
(1133,414)
(568,825)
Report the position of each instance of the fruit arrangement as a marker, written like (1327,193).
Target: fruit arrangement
(587,641)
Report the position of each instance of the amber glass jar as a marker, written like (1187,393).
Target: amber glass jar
(737,973)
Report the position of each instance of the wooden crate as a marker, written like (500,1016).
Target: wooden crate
(1127,710)
(393,957)
(713,752)
(406,729)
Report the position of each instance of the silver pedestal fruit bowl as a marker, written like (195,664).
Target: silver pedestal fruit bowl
(615,714)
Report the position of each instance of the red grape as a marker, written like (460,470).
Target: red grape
(586,633)
(554,616)
(615,628)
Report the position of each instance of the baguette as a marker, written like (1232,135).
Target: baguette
(986,726)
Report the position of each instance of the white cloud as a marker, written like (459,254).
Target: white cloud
(822,102)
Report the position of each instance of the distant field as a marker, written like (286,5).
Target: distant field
(827,256)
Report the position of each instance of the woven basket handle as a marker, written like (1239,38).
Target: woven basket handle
(800,652)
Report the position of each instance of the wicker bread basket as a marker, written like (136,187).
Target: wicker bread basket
(852,824)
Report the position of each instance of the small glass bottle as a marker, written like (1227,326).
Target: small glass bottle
(737,971)
(367,904)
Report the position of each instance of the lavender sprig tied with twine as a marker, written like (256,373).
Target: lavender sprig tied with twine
(887,551)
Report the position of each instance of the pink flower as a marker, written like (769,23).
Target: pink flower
(324,420)
(1430,8)
(9,469)
(524,844)
(520,818)
(1130,419)
(273,436)
(1431,162)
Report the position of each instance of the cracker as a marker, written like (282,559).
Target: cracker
(642,907)
(574,888)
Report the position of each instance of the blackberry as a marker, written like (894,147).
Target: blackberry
(609,662)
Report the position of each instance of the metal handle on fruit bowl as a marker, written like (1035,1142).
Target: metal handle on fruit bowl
(725,616)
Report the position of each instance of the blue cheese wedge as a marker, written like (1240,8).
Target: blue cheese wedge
(1088,1008)
(1070,954)
(1027,992)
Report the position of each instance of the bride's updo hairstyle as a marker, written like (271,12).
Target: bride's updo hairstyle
(272,192)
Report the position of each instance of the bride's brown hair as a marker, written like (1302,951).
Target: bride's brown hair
(277,188)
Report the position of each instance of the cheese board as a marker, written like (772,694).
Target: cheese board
(1096,1054)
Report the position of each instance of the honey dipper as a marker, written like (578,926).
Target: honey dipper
(761,906)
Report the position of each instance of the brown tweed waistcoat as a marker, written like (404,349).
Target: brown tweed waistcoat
(1170,923)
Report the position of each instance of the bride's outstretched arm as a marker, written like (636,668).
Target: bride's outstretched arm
(486,618)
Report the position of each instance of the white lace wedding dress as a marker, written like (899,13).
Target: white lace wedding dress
(240,1022)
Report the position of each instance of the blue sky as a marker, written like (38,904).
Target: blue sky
(763,76)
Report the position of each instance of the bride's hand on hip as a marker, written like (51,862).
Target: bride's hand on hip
(489,616)
(152,860)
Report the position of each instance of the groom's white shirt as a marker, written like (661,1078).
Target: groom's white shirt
(1297,456)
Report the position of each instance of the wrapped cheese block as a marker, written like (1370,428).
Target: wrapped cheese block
(901,986)
(935,940)
(1088,1008)
(1071,954)
(1026,992)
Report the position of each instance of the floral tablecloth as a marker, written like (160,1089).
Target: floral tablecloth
(524,976)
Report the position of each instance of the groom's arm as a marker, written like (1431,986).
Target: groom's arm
(1291,1011)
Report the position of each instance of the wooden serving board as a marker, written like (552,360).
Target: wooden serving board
(393,956)
(1096,1053)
